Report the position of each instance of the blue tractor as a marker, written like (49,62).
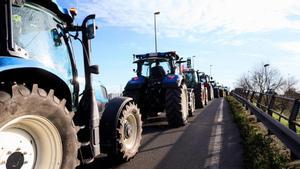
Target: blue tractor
(160,87)
(47,118)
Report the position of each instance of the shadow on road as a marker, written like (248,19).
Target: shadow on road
(154,128)
(190,150)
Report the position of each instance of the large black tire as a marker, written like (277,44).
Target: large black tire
(37,123)
(177,106)
(221,93)
(121,131)
(216,93)
(198,95)
(206,96)
(209,93)
(191,103)
(136,96)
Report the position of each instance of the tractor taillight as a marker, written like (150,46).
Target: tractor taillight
(171,77)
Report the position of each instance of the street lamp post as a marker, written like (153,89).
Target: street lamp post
(194,62)
(155,13)
(266,76)
(210,72)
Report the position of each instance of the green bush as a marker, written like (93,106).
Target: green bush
(261,150)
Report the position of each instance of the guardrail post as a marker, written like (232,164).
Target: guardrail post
(252,96)
(293,115)
(292,119)
(241,93)
(248,92)
(259,100)
(244,93)
(271,105)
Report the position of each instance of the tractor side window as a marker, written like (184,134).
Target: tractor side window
(145,70)
(189,76)
(165,66)
(37,32)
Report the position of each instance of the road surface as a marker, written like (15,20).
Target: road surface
(210,141)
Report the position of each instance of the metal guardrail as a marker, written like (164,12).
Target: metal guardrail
(275,105)
(264,105)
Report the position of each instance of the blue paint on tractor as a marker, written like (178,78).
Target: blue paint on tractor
(11,63)
(137,80)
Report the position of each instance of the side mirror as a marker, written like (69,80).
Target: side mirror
(94,69)
(56,37)
(89,26)
(91,29)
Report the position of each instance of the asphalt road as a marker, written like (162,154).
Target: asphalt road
(210,140)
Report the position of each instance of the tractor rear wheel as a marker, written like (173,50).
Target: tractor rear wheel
(36,130)
(138,99)
(191,103)
(198,95)
(177,106)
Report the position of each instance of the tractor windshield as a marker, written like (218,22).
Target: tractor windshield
(203,78)
(190,78)
(36,33)
(148,67)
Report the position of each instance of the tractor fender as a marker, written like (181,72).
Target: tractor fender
(46,80)
(171,81)
(109,120)
(135,83)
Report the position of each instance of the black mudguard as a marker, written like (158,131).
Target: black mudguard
(109,122)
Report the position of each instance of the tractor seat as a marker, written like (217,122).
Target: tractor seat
(157,72)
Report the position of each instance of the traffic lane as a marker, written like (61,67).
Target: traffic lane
(159,139)
(212,141)
(192,148)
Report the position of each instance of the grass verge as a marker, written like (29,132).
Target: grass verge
(262,151)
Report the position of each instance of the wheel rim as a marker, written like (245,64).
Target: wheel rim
(30,142)
(130,131)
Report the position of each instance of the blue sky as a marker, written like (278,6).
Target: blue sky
(232,35)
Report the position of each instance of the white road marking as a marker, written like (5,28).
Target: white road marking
(215,143)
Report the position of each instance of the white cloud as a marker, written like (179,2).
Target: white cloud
(179,18)
(292,47)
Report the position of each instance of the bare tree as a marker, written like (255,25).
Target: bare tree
(263,78)
(244,82)
(290,84)
(289,88)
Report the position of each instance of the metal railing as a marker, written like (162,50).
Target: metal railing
(279,114)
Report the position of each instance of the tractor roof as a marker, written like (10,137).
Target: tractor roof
(188,70)
(55,8)
(163,56)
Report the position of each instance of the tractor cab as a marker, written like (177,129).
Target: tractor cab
(155,66)
(191,77)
